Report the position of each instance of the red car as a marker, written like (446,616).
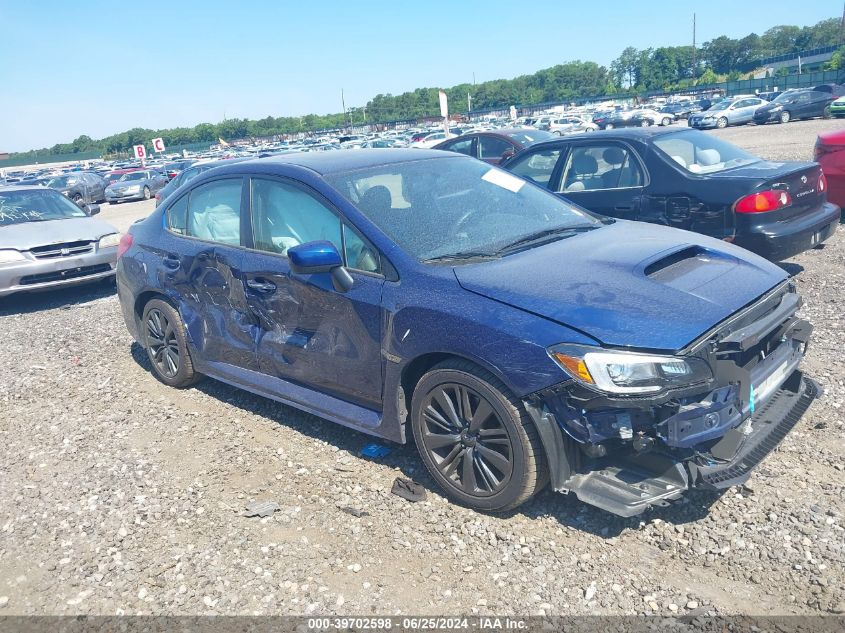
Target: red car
(830,154)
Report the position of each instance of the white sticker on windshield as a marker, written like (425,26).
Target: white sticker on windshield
(504,180)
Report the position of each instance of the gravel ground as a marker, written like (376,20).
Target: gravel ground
(120,495)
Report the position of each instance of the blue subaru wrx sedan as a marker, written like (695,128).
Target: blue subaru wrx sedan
(519,339)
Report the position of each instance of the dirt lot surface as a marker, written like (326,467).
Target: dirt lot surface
(120,495)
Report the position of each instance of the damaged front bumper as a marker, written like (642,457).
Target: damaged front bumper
(627,454)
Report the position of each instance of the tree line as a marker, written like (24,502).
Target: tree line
(634,71)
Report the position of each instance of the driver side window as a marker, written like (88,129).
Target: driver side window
(284,216)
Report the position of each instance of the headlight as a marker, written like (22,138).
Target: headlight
(627,373)
(107,241)
(8,256)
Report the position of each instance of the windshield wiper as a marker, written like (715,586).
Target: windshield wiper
(462,255)
(544,235)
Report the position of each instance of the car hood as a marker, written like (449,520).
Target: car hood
(629,284)
(30,234)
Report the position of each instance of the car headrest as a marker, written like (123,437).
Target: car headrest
(707,157)
(585,164)
(613,156)
(377,198)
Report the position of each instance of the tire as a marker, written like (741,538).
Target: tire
(722,123)
(166,342)
(78,200)
(146,193)
(609,126)
(112,201)
(826,112)
(666,121)
(784,117)
(645,123)
(494,474)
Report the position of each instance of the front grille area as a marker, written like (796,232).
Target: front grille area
(66,249)
(773,423)
(62,275)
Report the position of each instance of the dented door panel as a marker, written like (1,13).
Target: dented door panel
(309,333)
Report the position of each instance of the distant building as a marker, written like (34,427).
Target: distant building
(4,155)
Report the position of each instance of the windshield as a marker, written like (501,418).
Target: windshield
(60,182)
(18,207)
(701,153)
(440,207)
(530,136)
(134,175)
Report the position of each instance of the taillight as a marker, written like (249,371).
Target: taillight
(158,195)
(822,183)
(763,201)
(125,244)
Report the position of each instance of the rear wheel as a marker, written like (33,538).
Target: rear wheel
(666,121)
(784,117)
(609,126)
(826,112)
(166,342)
(645,123)
(722,123)
(475,438)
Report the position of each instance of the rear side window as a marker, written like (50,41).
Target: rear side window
(490,147)
(537,167)
(462,146)
(601,167)
(214,211)
(177,219)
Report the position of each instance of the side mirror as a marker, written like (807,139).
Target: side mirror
(92,209)
(507,154)
(320,257)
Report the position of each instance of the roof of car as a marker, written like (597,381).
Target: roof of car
(637,133)
(348,159)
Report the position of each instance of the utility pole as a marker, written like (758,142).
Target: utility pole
(343,103)
(469,103)
(694,68)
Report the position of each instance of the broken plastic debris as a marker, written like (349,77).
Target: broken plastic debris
(375,450)
(261,508)
(407,489)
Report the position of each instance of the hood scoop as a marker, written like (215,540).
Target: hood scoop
(689,267)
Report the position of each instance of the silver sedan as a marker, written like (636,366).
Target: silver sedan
(46,241)
(142,184)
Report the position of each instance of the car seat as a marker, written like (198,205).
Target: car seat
(579,178)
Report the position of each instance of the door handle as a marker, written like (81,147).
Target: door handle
(171,261)
(624,207)
(261,286)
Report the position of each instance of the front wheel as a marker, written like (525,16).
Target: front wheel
(166,341)
(609,126)
(722,123)
(784,117)
(826,112)
(666,121)
(475,438)
(146,193)
(78,200)
(645,123)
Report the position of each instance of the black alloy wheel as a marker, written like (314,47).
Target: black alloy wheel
(166,343)
(161,341)
(475,438)
(467,440)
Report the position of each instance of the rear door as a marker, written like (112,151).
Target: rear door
(310,333)
(461,146)
(201,259)
(607,177)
